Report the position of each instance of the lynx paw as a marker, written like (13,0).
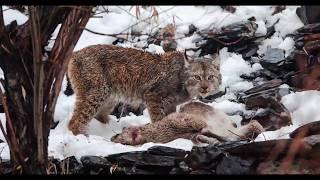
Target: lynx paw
(209,140)
(77,128)
(254,127)
(102,118)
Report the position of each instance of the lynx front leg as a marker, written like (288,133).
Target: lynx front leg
(87,105)
(154,107)
(104,112)
(158,106)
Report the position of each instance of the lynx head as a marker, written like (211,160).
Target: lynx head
(202,75)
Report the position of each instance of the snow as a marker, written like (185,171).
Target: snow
(262,29)
(228,106)
(301,105)
(289,22)
(232,66)
(10,15)
(287,45)
(155,49)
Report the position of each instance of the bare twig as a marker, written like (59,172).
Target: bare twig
(126,11)
(78,8)
(12,142)
(146,19)
(38,81)
(241,137)
(3,131)
(123,105)
(104,11)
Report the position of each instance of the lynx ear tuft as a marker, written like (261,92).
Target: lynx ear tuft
(215,59)
(186,60)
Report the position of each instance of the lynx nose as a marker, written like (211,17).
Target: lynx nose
(204,89)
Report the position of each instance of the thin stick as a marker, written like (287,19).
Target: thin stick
(145,19)
(3,131)
(13,143)
(241,137)
(121,112)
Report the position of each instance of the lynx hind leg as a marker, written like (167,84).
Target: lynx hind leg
(85,109)
(159,107)
(205,139)
(250,129)
(105,110)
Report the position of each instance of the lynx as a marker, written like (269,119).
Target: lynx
(196,121)
(103,75)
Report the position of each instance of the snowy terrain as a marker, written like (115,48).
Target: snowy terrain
(302,105)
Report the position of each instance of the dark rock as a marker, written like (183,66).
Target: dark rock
(118,41)
(114,158)
(230,144)
(134,171)
(267,85)
(262,73)
(240,113)
(204,158)
(238,157)
(1,141)
(145,159)
(309,129)
(309,28)
(131,162)
(95,162)
(229,8)
(201,172)
(192,29)
(274,55)
(181,169)
(236,30)
(309,14)
(167,151)
(268,96)
(234,165)
(237,37)
(273,59)
(211,98)
(260,150)
(250,51)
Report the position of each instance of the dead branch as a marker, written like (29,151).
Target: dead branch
(12,140)
(146,19)
(61,52)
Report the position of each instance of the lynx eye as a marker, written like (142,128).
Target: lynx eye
(210,77)
(197,77)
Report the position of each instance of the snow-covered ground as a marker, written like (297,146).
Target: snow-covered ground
(302,105)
